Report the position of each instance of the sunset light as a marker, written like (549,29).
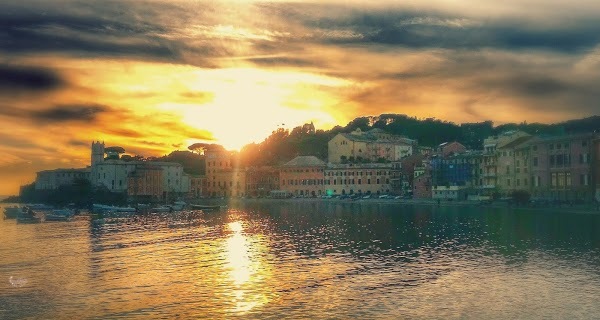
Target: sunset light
(299,159)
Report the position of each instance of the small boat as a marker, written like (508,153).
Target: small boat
(30,216)
(100,208)
(60,215)
(13,212)
(162,209)
(205,207)
(177,206)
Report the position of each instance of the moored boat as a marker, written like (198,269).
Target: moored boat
(30,216)
(205,207)
(60,215)
(13,212)
(100,208)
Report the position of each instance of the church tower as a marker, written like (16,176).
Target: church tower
(97,152)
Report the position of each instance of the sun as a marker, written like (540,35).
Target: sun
(249,104)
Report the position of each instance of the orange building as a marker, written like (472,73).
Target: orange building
(303,176)
(145,183)
(224,176)
(261,181)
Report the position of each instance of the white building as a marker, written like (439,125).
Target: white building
(113,173)
(53,179)
(449,192)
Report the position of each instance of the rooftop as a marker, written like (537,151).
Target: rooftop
(305,161)
(515,143)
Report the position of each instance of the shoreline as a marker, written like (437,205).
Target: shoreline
(576,209)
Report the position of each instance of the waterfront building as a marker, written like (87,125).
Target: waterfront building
(113,174)
(407,168)
(562,167)
(360,178)
(260,181)
(374,145)
(197,186)
(489,164)
(596,167)
(512,166)
(53,179)
(459,171)
(145,183)
(303,176)
(224,176)
(422,180)
(449,192)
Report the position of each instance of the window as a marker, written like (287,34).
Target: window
(518,182)
(561,179)
(551,146)
(568,179)
(559,160)
(552,160)
(508,182)
(535,161)
(584,143)
(507,169)
(553,179)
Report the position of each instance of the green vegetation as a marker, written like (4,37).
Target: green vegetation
(193,163)
(11,199)
(283,145)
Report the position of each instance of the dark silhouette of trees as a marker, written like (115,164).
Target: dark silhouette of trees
(283,145)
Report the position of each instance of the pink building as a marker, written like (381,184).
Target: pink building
(449,148)
(422,181)
(562,167)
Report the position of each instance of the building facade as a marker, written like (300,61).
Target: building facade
(303,176)
(260,181)
(53,179)
(145,183)
(365,178)
(224,176)
(374,145)
(562,167)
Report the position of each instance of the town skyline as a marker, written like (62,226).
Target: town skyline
(155,76)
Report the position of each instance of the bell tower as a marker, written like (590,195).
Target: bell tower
(97,152)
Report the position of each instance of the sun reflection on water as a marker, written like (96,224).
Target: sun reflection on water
(247,270)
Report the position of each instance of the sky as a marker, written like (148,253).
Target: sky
(157,76)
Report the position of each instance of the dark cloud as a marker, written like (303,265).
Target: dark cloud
(422,29)
(137,30)
(78,143)
(66,113)
(27,78)
(279,61)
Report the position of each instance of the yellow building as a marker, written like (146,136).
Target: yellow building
(303,176)
(370,146)
(224,177)
(366,178)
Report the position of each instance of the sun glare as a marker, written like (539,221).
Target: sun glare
(248,104)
